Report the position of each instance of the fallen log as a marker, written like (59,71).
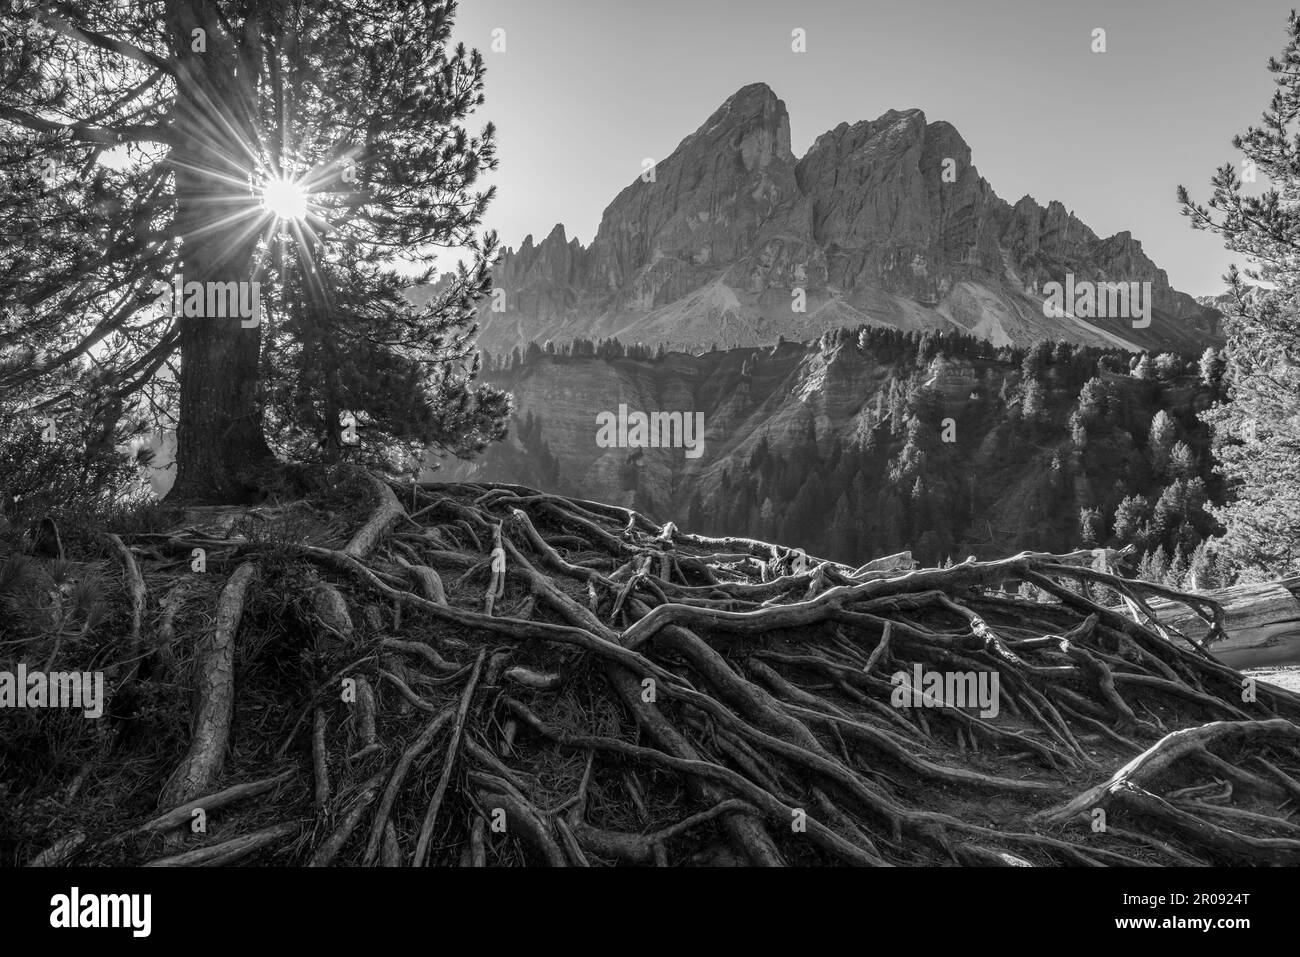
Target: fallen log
(1262,623)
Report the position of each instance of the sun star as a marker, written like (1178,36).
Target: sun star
(285,199)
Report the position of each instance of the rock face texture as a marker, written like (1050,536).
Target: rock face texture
(999,482)
(735,241)
(776,394)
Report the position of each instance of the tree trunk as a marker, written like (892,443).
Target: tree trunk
(219,439)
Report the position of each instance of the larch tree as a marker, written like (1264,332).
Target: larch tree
(211,209)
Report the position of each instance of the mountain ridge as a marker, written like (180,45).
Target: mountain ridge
(880,222)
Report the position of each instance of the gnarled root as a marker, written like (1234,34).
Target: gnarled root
(585,687)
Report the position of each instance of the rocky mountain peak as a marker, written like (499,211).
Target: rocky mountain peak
(881,221)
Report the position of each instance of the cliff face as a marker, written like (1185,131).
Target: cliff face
(744,394)
(881,222)
(877,441)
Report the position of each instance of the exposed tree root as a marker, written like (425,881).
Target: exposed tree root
(215,679)
(228,852)
(136,587)
(1160,757)
(384,517)
(449,762)
(526,678)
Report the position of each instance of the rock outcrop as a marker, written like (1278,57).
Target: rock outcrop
(882,222)
(1007,476)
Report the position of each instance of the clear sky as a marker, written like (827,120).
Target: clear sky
(586,89)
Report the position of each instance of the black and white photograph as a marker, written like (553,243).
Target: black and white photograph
(522,434)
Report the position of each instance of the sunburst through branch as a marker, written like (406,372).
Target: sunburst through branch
(285,199)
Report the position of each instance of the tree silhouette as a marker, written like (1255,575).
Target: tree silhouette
(144,145)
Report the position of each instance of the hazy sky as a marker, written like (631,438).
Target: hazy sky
(586,89)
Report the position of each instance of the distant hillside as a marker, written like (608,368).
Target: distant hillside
(882,222)
(874,441)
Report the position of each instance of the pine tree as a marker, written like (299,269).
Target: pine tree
(1034,401)
(1160,440)
(349,343)
(1171,508)
(355,111)
(1078,431)
(1092,527)
(1037,360)
(1167,366)
(1130,514)
(1093,398)
(1258,430)
(1182,461)
(1144,369)
(1210,367)
(1154,566)
(1176,576)
(1206,571)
